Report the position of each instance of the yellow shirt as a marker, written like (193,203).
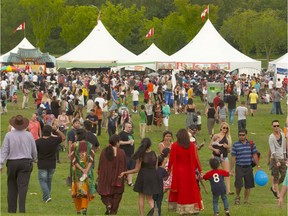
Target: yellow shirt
(253,82)
(190,93)
(85,92)
(253,98)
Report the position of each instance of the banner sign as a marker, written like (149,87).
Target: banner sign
(203,66)
(283,71)
(166,65)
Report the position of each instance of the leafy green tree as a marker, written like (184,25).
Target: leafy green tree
(263,31)
(76,23)
(269,33)
(124,24)
(44,15)
(9,22)
(181,26)
(172,37)
(237,30)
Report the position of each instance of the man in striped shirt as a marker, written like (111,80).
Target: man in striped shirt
(242,152)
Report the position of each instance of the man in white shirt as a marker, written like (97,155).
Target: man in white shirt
(242,113)
(101,100)
(4,84)
(35,79)
(270,84)
(135,99)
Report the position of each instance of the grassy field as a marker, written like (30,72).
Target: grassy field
(261,198)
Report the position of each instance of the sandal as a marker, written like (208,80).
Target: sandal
(274,193)
(237,200)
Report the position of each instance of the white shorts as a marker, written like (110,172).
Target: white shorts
(166,121)
(238,91)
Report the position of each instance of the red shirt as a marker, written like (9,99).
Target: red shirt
(146,94)
(39,98)
(34,127)
(216,101)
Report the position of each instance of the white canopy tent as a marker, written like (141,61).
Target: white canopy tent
(281,62)
(98,49)
(148,58)
(280,68)
(25,44)
(209,50)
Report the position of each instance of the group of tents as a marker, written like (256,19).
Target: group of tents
(206,51)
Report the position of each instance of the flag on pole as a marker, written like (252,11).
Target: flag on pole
(206,11)
(20,27)
(150,33)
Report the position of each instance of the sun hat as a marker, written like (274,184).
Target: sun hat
(19,122)
(92,82)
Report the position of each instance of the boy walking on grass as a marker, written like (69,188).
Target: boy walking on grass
(216,178)
(242,113)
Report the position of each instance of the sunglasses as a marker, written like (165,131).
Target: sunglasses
(224,127)
(241,134)
(276,125)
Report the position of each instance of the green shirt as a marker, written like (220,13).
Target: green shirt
(143,118)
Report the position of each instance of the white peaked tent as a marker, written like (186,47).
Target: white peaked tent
(209,50)
(281,62)
(98,49)
(25,44)
(148,58)
(280,68)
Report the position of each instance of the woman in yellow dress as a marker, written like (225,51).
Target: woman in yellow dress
(83,184)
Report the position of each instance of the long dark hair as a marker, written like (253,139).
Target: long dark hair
(183,138)
(97,105)
(109,152)
(190,101)
(165,133)
(81,134)
(145,144)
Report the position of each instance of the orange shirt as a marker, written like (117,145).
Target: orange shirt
(98,112)
(150,87)
(34,127)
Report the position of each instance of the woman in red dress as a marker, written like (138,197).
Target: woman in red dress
(184,197)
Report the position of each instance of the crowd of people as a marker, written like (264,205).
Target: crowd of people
(73,109)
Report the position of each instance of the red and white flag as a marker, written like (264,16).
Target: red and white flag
(20,27)
(150,33)
(206,11)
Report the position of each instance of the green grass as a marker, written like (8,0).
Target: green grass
(259,128)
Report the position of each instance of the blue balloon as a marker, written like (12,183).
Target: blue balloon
(261,178)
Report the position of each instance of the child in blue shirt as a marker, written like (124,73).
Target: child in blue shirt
(216,178)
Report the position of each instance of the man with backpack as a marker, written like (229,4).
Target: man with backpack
(243,154)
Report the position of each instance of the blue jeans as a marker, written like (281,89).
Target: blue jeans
(241,124)
(215,202)
(231,113)
(45,179)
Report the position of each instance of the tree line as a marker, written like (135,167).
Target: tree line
(258,28)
